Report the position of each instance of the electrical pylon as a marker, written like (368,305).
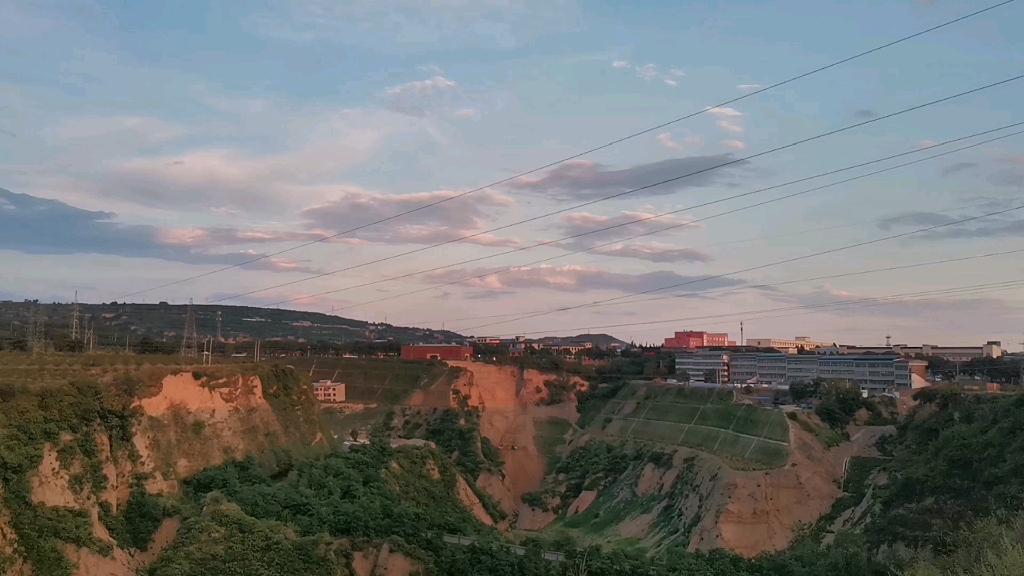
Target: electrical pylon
(74,318)
(190,343)
(36,331)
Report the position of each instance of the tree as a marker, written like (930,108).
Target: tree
(683,376)
(711,376)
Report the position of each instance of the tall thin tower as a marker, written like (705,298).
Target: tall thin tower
(37,331)
(74,318)
(1021,381)
(743,342)
(219,337)
(190,343)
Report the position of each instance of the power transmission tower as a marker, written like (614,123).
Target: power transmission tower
(1021,380)
(190,343)
(90,336)
(37,331)
(74,318)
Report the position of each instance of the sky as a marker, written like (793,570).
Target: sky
(147,143)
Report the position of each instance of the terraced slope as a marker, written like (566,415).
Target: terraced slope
(705,419)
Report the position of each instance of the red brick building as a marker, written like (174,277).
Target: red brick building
(691,339)
(437,352)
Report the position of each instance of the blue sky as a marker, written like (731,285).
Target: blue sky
(146,142)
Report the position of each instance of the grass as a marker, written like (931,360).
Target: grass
(550,438)
(378,380)
(720,427)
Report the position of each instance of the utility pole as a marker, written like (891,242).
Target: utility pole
(190,343)
(74,318)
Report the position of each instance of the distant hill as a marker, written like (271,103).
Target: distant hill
(598,340)
(167,321)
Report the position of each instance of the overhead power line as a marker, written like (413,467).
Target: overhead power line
(663,229)
(758,267)
(585,152)
(752,286)
(825,306)
(616,195)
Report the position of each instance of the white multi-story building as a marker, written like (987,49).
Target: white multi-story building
(697,364)
(874,373)
(788,346)
(991,349)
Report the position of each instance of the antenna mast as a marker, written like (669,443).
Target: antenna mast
(190,343)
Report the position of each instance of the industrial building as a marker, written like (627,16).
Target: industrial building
(872,372)
(437,352)
(691,340)
(991,349)
(787,346)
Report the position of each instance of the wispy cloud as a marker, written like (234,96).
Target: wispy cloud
(648,71)
(654,252)
(957,167)
(734,144)
(35,225)
(620,64)
(689,143)
(724,112)
(577,279)
(730,127)
(453,219)
(748,87)
(584,179)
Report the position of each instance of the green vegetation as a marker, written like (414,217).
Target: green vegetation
(550,438)
(949,469)
(225,541)
(377,380)
(282,330)
(135,525)
(705,419)
(457,435)
(33,416)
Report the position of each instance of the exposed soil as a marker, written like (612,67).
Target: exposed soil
(470,500)
(534,519)
(763,509)
(494,485)
(383,562)
(507,420)
(192,425)
(581,503)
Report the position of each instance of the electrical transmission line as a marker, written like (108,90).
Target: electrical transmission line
(659,230)
(586,152)
(618,195)
(866,302)
(758,267)
(750,286)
